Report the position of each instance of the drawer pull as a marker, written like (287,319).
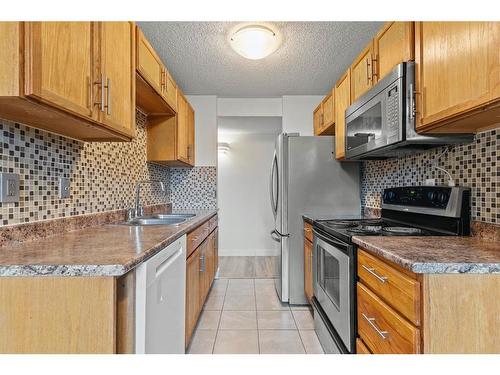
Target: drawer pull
(371,322)
(372,271)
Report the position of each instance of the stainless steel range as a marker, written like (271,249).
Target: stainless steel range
(406,211)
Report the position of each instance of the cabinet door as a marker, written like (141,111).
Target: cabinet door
(191,133)
(342,101)
(317,119)
(182,140)
(392,45)
(328,111)
(149,64)
(169,90)
(193,305)
(458,65)
(308,280)
(59,64)
(204,270)
(361,73)
(216,250)
(118,70)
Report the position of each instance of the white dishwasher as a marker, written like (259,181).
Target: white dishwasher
(160,301)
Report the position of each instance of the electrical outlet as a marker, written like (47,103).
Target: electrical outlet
(64,187)
(9,187)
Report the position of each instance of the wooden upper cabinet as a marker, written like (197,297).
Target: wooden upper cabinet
(328,110)
(60,64)
(156,89)
(118,74)
(171,139)
(393,45)
(182,129)
(317,119)
(326,120)
(169,90)
(51,78)
(149,65)
(362,73)
(191,134)
(342,100)
(457,75)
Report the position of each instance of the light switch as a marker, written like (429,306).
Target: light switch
(64,187)
(9,187)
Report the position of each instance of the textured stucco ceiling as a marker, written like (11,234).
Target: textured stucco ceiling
(311,58)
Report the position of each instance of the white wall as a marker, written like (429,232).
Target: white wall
(245,217)
(205,117)
(298,113)
(249,107)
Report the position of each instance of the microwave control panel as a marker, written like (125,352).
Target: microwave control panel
(393,120)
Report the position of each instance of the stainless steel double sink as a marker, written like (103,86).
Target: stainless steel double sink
(160,219)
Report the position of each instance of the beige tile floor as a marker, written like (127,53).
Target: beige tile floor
(245,316)
(247,267)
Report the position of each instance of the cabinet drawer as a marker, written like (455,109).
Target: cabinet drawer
(308,231)
(213,223)
(361,347)
(397,289)
(383,329)
(196,237)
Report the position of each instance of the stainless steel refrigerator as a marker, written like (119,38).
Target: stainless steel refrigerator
(306,179)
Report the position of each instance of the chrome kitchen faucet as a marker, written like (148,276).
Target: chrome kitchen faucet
(137,211)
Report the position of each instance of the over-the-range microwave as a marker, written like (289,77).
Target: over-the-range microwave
(381,123)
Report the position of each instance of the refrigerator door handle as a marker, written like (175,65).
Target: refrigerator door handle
(274,236)
(274,167)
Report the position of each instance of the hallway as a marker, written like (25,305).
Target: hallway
(245,316)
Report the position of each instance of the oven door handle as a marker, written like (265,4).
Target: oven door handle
(333,241)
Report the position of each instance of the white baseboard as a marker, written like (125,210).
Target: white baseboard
(248,252)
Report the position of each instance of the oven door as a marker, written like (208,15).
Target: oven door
(332,267)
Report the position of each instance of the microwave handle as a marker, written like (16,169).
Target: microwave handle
(411,102)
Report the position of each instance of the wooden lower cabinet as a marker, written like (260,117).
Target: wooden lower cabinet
(361,347)
(201,267)
(58,315)
(308,263)
(405,313)
(382,328)
(308,280)
(193,305)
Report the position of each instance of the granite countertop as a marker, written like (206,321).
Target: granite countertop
(436,255)
(107,250)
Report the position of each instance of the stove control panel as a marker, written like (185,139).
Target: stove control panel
(418,196)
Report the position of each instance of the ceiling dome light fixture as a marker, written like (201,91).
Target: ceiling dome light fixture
(254,42)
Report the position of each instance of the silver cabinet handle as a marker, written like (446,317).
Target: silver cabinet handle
(382,279)
(108,96)
(371,322)
(101,84)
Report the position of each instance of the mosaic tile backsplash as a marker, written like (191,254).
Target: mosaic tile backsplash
(193,188)
(103,175)
(475,165)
